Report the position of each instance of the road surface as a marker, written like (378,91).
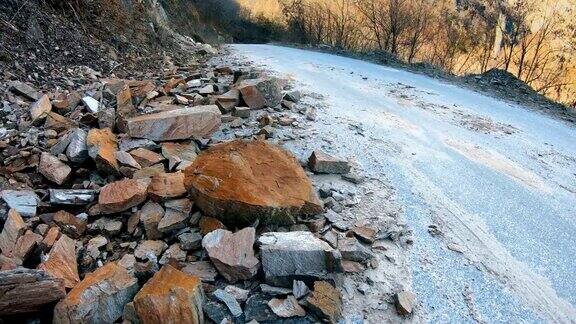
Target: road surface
(498,180)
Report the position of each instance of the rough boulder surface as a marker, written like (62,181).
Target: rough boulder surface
(99,298)
(275,188)
(195,122)
(260,93)
(171,296)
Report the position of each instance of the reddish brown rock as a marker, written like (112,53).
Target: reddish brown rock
(226,102)
(275,188)
(14,227)
(99,298)
(58,122)
(53,169)
(50,238)
(195,122)
(102,146)
(122,195)
(232,253)
(146,157)
(62,263)
(320,162)
(170,296)
(260,93)
(40,108)
(70,224)
(166,186)
(209,224)
(325,301)
(26,290)
(25,245)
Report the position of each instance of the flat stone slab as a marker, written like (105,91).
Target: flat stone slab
(194,122)
(296,255)
(25,202)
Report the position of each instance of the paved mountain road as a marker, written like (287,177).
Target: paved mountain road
(498,180)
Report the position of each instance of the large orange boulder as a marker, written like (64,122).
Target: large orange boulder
(242,181)
(171,296)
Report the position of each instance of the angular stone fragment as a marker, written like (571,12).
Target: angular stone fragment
(242,112)
(150,249)
(25,245)
(227,101)
(50,238)
(91,104)
(178,153)
(122,195)
(259,93)
(125,159)
(72,196)
(26,290)
(299,289)
(320,162)
(14,227)
(202,269)
(296,255)
(25,202)
(58,122)
(173,253)
(94,245)
(77,150)
(172,221)
(286,307)
(40,108)
(405,301)
(107,225)
(190,240)
(326,301)
(353,250)
(150,215)
(232,253)
(53,169)
(62,263)
(275,188)
(146,157)
(102,146)
(25,90)
(195,122)
(166,186)
(209,224)
(229,301)
(70,224)
(99,298)
(171,295)
(238,293)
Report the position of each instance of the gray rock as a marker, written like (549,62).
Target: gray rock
(286,308)
(293,96)
(297,255)
(201,269)
(299,289)
(320,162)
(25,90)
(150,215)
(190,240)
(353,250)
(77,150)
(107,225)
(230,302)
(174,252)
(217,312)
(128,143)
(25,202)
(72,196)
(274,291)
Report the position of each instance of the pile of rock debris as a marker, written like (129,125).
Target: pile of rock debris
(119,206)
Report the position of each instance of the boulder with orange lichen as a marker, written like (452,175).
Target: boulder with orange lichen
(240,182)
